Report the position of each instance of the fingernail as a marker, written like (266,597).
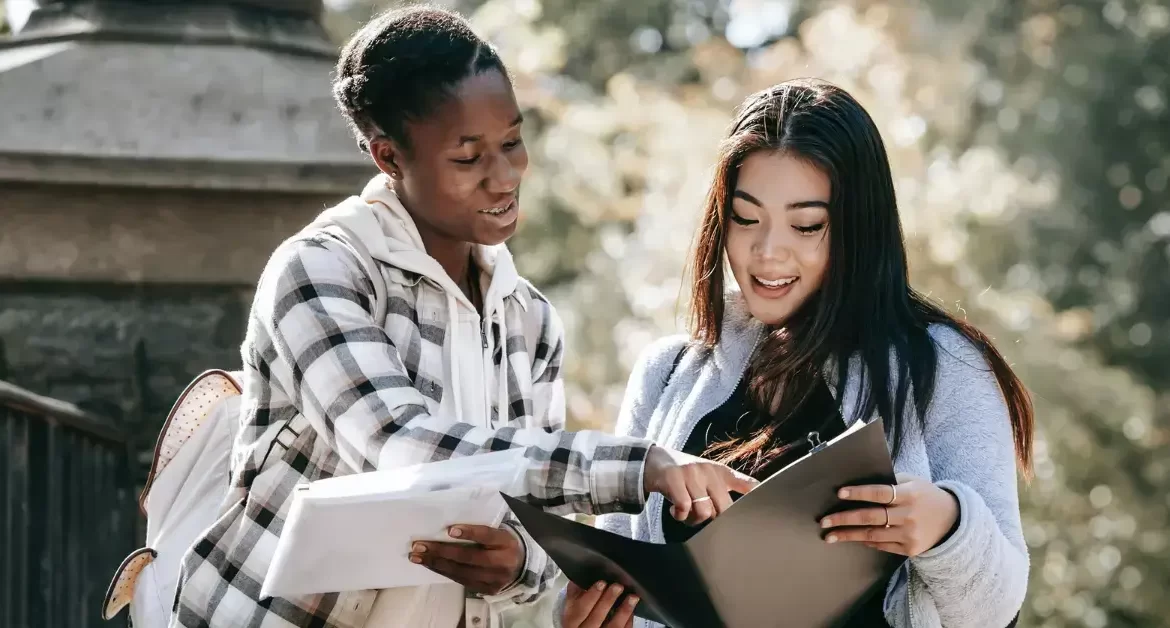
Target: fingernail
(843,493)
(826,523)
(415,559)
(420,548)
(599,586)
(456,532)
(632,600)
(617,589)
(832,538)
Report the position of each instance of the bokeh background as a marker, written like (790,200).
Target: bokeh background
(1031,147)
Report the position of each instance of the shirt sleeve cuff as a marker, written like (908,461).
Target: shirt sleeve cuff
(617,476)
(960,547)
(527,564)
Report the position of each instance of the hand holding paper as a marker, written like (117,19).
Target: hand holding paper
(355,532)
(487,566)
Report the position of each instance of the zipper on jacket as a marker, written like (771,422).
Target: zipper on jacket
(655,509)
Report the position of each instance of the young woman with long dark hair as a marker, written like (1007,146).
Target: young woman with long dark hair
(820,329)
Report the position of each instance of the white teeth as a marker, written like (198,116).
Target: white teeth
(777,282)
(496,211)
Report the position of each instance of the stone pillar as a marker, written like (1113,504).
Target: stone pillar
(152,156)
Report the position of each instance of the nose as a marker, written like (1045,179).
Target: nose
(503,176)
(773,244)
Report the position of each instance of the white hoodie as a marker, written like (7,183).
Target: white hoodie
(388,234)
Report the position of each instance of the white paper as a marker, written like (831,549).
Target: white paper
(354,532)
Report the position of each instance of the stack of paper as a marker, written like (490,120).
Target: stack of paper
(354,532)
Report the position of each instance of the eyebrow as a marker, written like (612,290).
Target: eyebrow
(797,205)
(471,139)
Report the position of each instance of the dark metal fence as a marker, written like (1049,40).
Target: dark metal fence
(68,514)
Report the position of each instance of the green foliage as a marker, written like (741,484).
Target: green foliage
(1080,89)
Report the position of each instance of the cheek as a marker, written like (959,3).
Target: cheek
(814,260)
(739,251)
(519,159)
(451,186)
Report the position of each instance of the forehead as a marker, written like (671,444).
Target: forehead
(780,178)
(480,105)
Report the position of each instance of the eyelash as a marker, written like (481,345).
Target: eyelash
(810,229)
(508,146)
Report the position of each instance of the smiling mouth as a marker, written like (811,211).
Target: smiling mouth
(775,283)
(498,211)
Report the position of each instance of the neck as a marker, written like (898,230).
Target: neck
(453,255)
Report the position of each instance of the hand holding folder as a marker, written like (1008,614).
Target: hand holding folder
(761,563)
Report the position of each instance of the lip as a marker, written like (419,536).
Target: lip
(768,292)
(508,215)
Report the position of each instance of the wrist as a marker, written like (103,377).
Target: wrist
(650,469)
(958,515)
(518,578)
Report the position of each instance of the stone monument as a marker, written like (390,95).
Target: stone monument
(152,154)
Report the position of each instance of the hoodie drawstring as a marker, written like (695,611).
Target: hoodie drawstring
(453,329)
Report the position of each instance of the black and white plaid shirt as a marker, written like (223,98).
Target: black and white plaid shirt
(328,391)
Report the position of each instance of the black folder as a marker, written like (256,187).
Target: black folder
(762,563)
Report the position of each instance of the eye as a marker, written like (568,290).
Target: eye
(467,162)
(740,220)
(808,229)
(513,144)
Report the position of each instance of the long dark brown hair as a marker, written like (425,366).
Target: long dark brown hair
(865,306)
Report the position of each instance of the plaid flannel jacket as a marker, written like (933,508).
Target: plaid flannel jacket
(328,391)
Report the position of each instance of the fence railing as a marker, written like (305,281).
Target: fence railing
(67,511)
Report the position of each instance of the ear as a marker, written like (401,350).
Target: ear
(388,155)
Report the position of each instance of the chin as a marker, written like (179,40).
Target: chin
(771,319)
(495,235)
(769,313)
(493,239)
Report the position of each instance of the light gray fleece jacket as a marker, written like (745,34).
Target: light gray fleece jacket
(978,577)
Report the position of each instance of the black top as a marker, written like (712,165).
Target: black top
(732,419)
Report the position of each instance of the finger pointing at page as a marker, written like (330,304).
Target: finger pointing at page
(698,489)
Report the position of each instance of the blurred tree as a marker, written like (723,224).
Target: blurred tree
(1079,88)
(1074,94)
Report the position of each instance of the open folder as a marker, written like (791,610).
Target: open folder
(761,563)
(354,532)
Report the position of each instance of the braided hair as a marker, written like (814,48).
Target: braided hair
(402,65)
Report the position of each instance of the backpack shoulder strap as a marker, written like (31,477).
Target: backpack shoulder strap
(379,297)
